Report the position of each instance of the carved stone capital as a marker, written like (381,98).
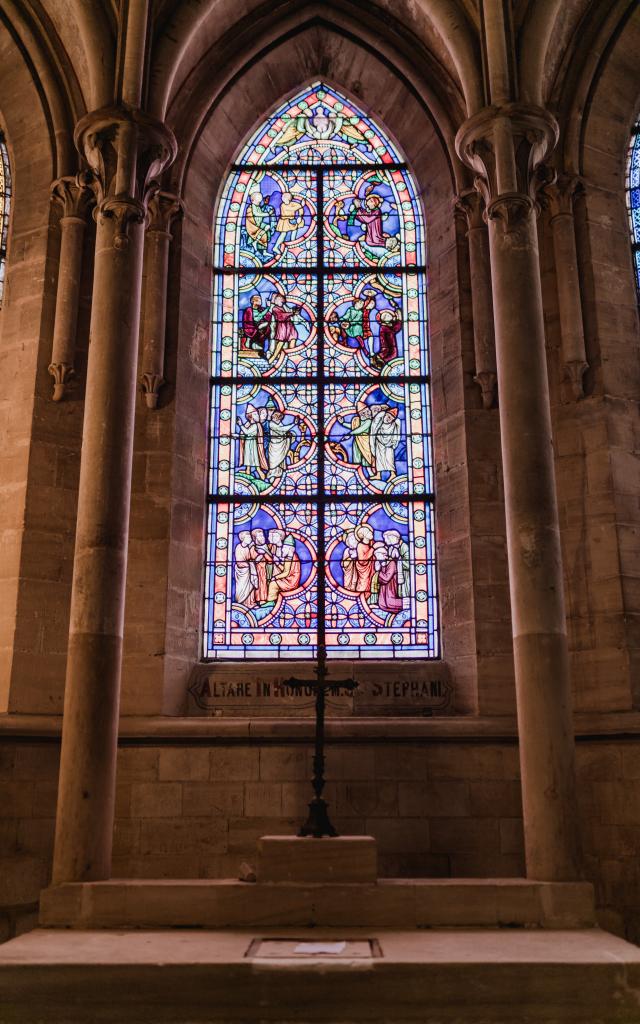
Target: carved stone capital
(162,209)
(559,195)
(126,151)
(574,372)
(74,194)
(150,384)
(471,205)
(506,148)
(124,212)
(487,380)
(61,373)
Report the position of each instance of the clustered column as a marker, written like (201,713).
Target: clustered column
(125,150)
(75,196)
(505,146)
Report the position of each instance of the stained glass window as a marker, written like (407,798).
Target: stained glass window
(321,522)
(5,208)
(633,198)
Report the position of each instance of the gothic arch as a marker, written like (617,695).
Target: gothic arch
(231,114)
(301,50)
(439,30)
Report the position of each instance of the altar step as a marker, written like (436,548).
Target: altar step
(386,903)
(528,976)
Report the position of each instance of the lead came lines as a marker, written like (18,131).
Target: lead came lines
(390,446)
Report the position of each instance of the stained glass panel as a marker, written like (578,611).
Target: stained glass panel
(371,218)
(375,324)
(265,325)
(263,439)
(633,199)
(320,473)
(5,209)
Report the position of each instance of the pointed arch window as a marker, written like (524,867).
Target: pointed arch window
(5,209)
(633,198)
(321,506)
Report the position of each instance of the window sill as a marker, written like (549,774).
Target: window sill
(155,729)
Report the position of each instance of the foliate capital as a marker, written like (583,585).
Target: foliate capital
(471,205)
(560,194)
(126,151)
(74,194)
(162,209)
(506,148)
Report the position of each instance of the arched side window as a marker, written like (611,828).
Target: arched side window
(321,515)
(633,198)
(5,209)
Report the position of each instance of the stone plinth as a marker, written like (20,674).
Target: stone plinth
(388,903)
(296,859)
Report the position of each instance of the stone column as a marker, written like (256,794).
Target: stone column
(75,195)
(125,150)
(163,207)
(506,146)
(471,204)
(560,196)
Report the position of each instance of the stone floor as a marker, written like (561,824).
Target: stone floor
(432,976)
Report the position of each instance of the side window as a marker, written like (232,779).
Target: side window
(633,198)
(5,209)
(321,505)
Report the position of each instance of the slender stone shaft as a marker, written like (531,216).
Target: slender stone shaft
(74,196)
(162,208)
(87,771)
(568,278)
(481,301)
(533,540)
(489,143)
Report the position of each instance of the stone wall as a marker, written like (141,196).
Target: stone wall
(437,809)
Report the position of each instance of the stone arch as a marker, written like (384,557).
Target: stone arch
(439,28)
(262,85)
(25,321)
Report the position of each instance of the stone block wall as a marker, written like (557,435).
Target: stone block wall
(437,809)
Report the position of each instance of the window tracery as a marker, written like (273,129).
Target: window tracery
(320,446)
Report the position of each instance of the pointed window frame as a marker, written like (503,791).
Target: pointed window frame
(324,506)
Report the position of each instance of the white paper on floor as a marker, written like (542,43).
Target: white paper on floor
(321,947)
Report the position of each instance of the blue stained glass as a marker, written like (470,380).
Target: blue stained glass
(320,470)
(5,209)
(633,198)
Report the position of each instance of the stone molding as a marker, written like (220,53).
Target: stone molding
(589,726)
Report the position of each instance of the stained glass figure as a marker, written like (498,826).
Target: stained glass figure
(633,198)
(321,523)
(5,208)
